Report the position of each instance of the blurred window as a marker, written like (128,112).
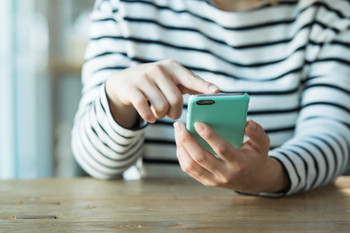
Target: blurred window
(41,52)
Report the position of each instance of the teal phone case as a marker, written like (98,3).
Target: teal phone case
(227,115)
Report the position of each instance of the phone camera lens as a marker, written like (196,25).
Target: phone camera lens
(205,102)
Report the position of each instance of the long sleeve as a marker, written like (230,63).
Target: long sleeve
(103,148)
(293,59)
(320,149)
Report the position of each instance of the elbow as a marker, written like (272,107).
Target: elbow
(90,164)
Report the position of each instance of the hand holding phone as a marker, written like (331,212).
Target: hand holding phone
(248,169)
(225,113)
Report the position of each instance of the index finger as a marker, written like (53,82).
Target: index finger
(189,80)
(197,153)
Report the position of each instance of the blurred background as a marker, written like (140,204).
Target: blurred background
(42,45)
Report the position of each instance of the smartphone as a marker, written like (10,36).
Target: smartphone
(225,113)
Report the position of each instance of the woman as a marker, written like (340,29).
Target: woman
(145,56)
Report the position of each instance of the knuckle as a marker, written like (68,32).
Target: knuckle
(225,180)
(199,159)
(206,134)
(162,107)
(138,101)
(188,167)
(222,149)
(174,115)
(181,139)
(184,139)
(210,183)
(241,168)
(170,62)
(141,78)
(146,116)
(176,99)
(156,69)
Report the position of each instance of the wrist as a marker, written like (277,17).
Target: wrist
(124,115)
(277,177)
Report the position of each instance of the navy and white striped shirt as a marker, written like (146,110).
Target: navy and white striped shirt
(293,59)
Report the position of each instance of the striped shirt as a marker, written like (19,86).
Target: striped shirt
(292,59)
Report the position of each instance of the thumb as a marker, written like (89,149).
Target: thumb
(257,136)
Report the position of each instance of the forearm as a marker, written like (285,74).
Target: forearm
(103,148)
(317,157)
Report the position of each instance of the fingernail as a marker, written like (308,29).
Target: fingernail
(213,88)
(177,127)
(199,127)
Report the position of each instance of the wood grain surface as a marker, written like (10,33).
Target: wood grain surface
(183,205)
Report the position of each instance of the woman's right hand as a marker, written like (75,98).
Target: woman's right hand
(152,90)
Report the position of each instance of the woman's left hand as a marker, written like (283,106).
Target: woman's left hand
(247,169)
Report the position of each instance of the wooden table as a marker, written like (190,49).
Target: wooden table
(89,205)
